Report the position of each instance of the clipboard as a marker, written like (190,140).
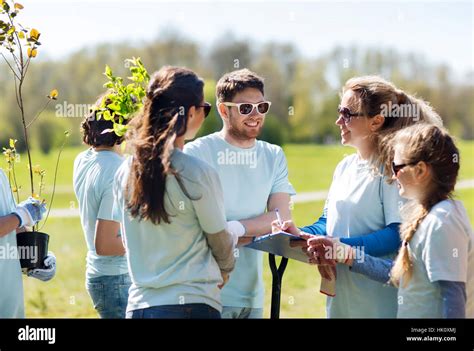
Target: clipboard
(279,244)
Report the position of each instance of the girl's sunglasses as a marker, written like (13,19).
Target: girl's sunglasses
(398,168)
(246,108)
(207,108)
(347,114)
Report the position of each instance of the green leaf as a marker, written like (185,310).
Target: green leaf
(124,100)
(107,116)
(119,129)
(113,107)
(108,71)
(6,7)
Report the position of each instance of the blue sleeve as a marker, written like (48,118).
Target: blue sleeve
(318,227)
(375,268)
(382,242)
(454,299)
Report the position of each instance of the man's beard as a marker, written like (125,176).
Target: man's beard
(240,132)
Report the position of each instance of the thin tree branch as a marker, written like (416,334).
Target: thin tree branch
(54,183)
(11,68)
(26,66)
(39,113)
(16,93)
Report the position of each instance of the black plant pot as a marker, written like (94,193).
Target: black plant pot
(32,249)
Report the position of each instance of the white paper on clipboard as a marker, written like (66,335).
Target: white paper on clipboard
(279,244)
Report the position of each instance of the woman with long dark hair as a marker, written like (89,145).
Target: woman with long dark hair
(171,207)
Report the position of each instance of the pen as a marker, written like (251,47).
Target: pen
(278,216)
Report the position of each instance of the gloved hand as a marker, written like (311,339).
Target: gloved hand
(46,273)
(237,230)
(30,212)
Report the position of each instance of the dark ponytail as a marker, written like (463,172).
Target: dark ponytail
(172,91)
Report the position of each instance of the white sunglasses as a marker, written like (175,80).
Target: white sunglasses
(246,108)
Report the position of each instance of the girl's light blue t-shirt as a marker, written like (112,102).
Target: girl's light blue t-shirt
(441,249)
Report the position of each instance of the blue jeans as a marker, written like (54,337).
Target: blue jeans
(241,313)
(109,294)
(186,311)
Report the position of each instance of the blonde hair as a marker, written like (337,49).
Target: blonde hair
(434,146)
(373,95)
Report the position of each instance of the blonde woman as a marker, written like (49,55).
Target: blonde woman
(362,208)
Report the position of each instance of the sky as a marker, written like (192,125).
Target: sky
(441,31)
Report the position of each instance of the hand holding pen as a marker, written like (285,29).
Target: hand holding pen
(288,226)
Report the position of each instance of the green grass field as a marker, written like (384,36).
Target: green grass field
(311,169)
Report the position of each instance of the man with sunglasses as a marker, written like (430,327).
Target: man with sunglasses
(254,177)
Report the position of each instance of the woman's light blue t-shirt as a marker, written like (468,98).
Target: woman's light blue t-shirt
(360,202)
(171,263)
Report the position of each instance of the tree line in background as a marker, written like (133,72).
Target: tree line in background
(304,91)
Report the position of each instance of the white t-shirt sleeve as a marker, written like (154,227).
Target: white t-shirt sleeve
(106,202)
(337,172)
(392,202)
(209,206)
(281,184)
(10,199)
(445,252)
(117,196)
